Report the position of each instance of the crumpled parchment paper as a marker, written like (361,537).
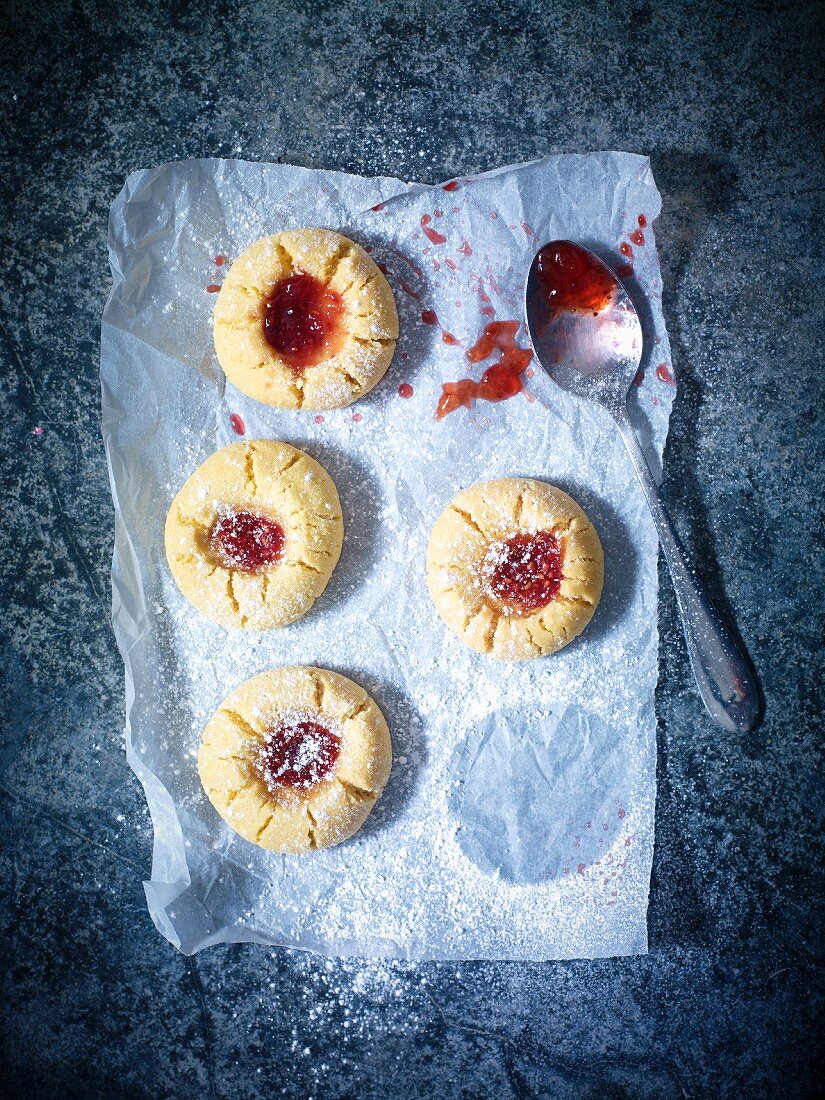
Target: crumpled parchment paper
(518,820)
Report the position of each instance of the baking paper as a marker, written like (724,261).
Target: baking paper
(518,819)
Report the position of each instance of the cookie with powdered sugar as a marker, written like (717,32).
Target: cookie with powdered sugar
(295,758)
(515,568)
(253,536)
(305,320)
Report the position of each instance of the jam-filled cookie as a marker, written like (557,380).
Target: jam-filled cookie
(515,568)
(305,320)
(295,759)
(253,536)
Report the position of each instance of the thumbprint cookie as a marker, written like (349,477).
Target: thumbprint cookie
(295,759)
(305,320)
(253,536)
(515,568)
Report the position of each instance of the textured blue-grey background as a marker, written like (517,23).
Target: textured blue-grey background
(726,99)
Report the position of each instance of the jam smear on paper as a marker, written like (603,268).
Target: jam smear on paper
(431,234)
(503,379)
(429,317)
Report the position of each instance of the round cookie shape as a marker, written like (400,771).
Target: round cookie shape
(515,568)
(295,758)
(305,320)
(253,536)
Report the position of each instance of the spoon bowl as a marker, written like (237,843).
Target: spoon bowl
(593,353)
(587,335)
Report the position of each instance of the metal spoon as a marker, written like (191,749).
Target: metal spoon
(594,353)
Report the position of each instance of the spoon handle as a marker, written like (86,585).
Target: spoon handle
(723,672)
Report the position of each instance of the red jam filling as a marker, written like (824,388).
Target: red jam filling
(572,279)
(299,753)
(501,380)
(304,321)
(524,572)
(247,541)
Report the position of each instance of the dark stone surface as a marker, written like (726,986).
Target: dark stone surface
(725,98)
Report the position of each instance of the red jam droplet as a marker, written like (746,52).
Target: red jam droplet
(637,236)
(664,375)
(213,288)
(298,754)
(431,234)
(451,186)
(303,321)
(405,390)
(625,249)
(501,380)
(642,220)
(429,317)
(238,426)
(524,572)
(247,541)
(572,279)
(219,260)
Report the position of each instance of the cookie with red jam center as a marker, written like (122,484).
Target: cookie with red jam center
(253,536)
(305,320)
(295,758)
(515,568)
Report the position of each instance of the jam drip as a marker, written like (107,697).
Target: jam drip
(501,380)
(524,572)
(303,321)
(572,279)
(247,541)
(297,754)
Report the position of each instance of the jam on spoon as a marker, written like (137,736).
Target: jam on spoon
(571,278)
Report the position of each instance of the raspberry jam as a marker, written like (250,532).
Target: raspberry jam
(431,234)
(430,317)
(572,279)
(501,380)
(298,754)
(247,541)
(304,321)
(524,571)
